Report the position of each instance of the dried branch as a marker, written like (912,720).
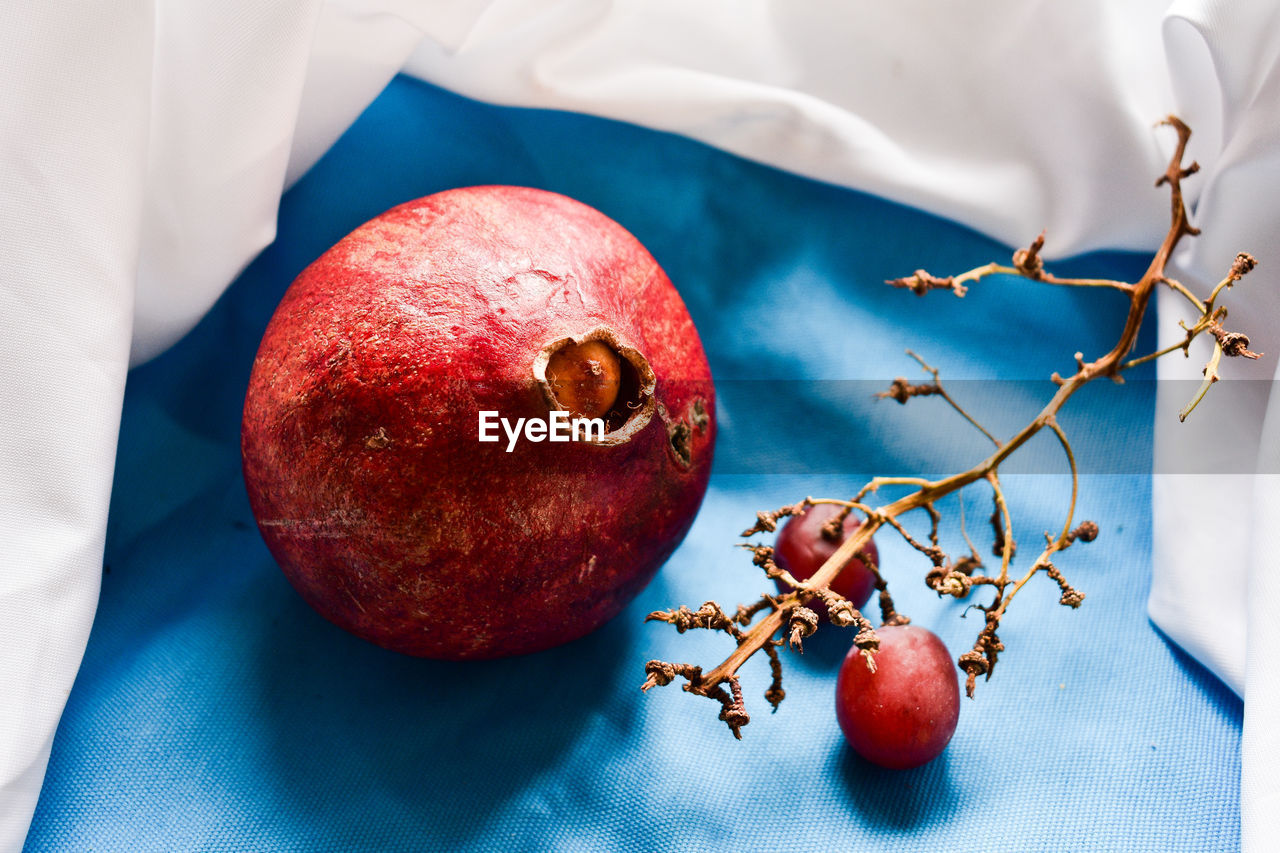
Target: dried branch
(901,390)
(773,620)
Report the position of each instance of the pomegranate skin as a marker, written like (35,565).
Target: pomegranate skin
(360,436)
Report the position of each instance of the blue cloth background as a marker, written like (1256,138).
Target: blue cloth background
(215,711)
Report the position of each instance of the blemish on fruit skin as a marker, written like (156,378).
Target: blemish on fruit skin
(353,598)
(679,434)
(698,415)
(379,440)
(303,528)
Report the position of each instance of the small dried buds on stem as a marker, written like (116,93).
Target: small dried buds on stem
(768,623)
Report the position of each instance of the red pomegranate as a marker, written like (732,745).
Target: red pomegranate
(363,419)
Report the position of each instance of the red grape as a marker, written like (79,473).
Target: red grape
(903,714)
(802,548)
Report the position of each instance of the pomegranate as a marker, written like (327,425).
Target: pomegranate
(379,453)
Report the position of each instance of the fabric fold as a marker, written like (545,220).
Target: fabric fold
(74,113)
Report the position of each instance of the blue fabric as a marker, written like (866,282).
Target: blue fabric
(215,711)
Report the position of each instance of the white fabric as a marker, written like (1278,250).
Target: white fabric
(144,145)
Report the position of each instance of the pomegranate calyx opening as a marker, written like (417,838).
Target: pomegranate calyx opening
(595,374)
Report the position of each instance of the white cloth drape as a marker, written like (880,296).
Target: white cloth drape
(144,146)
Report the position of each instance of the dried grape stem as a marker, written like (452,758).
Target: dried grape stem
(787,611)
